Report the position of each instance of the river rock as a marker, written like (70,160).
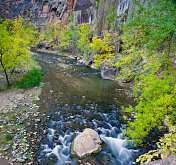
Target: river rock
(87,143)
(168,161)
(109,73)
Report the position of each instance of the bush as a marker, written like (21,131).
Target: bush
(9,137)
(104,47)
(31,79)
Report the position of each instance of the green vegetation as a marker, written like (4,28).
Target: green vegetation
(83,36)
(15,38)
(31,79)
(112,18)
(105,47)
(149,40)
(51,35)
(148,57)
(68,37)
(9,137)
(166,146)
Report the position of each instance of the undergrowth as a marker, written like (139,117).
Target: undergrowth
(31,79)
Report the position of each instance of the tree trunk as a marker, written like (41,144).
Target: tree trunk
(6,75)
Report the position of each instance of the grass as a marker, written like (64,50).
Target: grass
(31,79)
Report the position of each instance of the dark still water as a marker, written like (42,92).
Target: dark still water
(76,97)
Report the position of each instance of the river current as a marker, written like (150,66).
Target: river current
(76,97)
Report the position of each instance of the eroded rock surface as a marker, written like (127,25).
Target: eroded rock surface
(167,161)
(87,143)
(43,11)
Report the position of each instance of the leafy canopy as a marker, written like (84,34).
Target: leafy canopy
(149,49)
(15,39)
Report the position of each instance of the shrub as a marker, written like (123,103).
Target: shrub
(31,79)
(9,137)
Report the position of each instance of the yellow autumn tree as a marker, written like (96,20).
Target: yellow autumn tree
(105,48)
(14,46)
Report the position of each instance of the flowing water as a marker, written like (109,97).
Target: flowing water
(76,97)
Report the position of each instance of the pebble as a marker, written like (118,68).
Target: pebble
(79,161)
(35,133)
(37,120)
(45,132)
(20,160)
(25,158)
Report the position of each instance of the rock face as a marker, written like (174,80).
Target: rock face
(87,143)
(54,11)
(167,161)
(85,11)
(37,11)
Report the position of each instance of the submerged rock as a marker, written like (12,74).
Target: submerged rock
(87,143)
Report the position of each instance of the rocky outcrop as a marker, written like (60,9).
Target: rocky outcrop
(109,73)
(87,143)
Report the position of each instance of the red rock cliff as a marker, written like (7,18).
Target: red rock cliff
(41,11)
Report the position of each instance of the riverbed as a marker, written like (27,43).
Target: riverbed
(76,97)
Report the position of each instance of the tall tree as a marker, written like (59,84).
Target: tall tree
(14,46)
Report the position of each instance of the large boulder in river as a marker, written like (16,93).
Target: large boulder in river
(87,143)
(109,73)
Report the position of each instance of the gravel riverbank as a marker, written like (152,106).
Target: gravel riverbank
(20,126)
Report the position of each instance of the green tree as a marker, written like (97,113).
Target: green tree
(83,32)
(14,46)
(52,34)
(148,56)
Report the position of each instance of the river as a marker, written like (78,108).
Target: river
(76,97)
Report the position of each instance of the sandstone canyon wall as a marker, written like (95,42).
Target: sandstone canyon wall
(42,11)
(89,11)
